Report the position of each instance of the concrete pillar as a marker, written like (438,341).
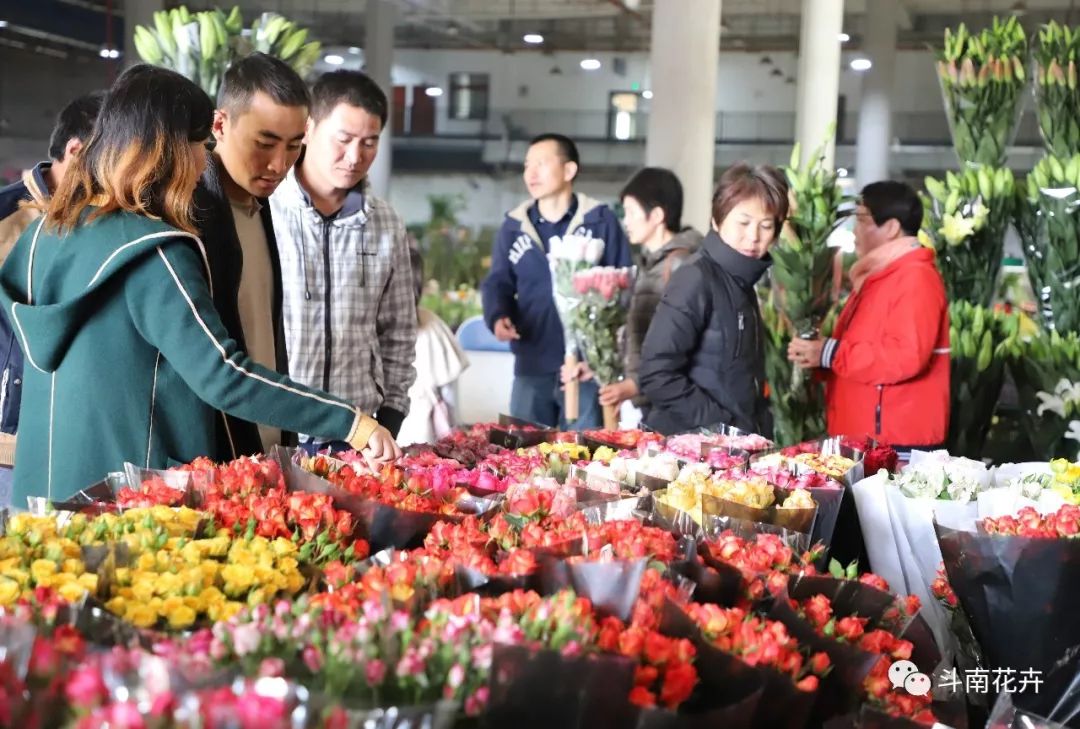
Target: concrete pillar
(136,12)
(380,18)
(819,75)
(875,104)
(682,122)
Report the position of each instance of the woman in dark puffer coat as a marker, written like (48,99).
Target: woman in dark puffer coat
(703,362)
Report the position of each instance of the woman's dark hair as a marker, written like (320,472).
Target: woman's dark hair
(656,187)
(416,261)
(347,87)
(139,156)
(261,73)
(75,121)
(890,199)
(742,182)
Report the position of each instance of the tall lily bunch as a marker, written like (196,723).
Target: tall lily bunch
(982,81)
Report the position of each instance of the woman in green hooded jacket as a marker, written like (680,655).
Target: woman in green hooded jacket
(111,299)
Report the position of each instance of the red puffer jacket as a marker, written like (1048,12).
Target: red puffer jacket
(888,370)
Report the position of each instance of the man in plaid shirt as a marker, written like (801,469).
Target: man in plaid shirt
(349,308)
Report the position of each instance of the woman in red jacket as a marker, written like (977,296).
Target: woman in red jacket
(887,363)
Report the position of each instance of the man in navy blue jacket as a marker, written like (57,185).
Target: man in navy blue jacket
(71,131)
(519,301)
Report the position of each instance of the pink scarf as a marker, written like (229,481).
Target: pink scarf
(880,258)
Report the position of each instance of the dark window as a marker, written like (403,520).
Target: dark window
(469,94)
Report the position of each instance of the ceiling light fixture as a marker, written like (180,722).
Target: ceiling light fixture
(765,61)
(776,72)
(3,23)
(109,53)
(433,91)
(646,94)
(334,59)
(354,50)
(533,38)
(844,37)
(590,64)
(861,64)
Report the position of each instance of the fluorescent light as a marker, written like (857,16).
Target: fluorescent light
(861,64)
(533,38)
(841,172)
(104,53)
(3,23)
(114,53)
(433,91)
(844,37)
(354,50)
(646,94)
(590,64)
(334,59)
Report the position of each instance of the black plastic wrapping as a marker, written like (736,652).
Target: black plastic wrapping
(725,676)
(467,579)
(611,587)
(1022,599)
(101,495)
(705,715)
(841,688)
(542,689)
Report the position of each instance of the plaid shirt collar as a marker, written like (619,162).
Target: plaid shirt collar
(356,201)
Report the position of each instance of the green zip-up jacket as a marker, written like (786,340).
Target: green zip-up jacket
(127,360)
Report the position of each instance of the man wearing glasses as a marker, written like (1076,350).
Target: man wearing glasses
(886,365)
(349,307)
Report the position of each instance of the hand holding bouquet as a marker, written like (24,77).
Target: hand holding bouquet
(597,321)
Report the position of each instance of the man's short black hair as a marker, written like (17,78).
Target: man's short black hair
(890,199)
(656,187)
(75,120)
(354,88)
(260,72)
(567,148)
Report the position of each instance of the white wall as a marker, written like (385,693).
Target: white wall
(523,81)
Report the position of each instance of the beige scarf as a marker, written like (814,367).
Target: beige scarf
(880,258)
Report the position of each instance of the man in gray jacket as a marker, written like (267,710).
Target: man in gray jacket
(349,309)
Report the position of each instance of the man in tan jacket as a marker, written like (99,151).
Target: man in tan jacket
(73,127)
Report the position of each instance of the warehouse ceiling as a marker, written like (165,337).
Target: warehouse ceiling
(83,26)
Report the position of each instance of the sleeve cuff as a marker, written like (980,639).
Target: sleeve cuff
(363,427)
(828,352)
(391,419)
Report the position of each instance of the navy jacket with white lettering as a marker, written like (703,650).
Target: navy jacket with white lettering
(520,287)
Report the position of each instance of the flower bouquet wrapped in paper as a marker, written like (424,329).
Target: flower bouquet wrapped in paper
(598,317)
(567,256)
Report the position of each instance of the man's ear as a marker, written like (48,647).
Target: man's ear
(72,148)
(309,128)
(221,120)
(892,229)
(570,171)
